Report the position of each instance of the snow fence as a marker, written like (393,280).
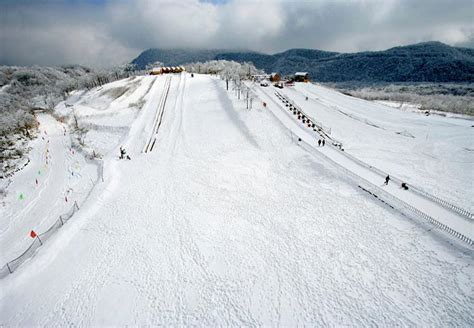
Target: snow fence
(41,238)
(12,265)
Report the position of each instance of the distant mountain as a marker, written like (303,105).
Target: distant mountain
(422,62)
(174,57)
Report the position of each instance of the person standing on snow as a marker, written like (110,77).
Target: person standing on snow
(324,142)
(319,142)
(387,179)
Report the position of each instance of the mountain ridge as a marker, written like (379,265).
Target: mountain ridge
(430,61)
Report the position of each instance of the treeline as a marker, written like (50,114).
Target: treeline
(224,68)
(446,97)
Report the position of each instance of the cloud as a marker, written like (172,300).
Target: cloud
(106,32)
(55,33)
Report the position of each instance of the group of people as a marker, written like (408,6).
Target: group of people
(321,142)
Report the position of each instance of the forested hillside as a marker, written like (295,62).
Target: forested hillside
(423,62)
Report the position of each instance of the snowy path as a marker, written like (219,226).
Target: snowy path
(36,206)
(228,222)
(434,210)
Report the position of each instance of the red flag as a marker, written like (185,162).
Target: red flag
(33,234)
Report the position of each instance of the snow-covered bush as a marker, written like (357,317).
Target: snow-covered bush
(224,68)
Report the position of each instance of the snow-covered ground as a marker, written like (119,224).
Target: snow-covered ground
(417,108)
(433,152)
(47,187)
(228,221)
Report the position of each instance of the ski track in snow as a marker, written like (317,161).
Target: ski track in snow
(229,222)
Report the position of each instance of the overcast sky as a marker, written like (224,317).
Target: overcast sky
(102,33)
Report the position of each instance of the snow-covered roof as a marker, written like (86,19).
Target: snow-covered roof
(301,73)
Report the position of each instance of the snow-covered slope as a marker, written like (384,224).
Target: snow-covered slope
(433,152)
(57,174)
(55,177)
(228,221)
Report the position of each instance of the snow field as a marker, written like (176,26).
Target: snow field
(229,222)
(369,176)
(44,189)
(63,175)
(431,152)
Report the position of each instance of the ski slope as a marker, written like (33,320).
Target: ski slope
(432,152)
(370,177)
(55,178)
(229,221)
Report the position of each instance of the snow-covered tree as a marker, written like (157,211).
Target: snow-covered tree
(227,70)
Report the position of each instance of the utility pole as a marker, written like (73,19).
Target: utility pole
(247,98)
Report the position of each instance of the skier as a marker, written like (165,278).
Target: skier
(324,141)
(306,98)
(319,142)
(387,179)
(122,152)
(404,186)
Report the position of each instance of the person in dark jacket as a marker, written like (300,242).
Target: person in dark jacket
(387,179)
(319,142)
(324,142)
(122,152)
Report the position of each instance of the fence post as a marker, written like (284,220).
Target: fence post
(9,270)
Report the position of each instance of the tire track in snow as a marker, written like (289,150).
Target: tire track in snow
(159,116)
